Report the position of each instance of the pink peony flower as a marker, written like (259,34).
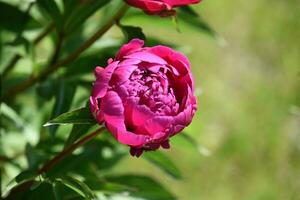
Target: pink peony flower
(144,96)
(160,7)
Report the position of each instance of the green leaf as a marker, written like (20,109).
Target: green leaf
(77,131)
(56,191)
(10,113)
(63,99)
(43,191)
(34,156)
(81,12)
(163,162)
(25,176)
(51,8)
(87,63)
(96,155)
(196,21)
(46,90)
(144,187)
(132,32)
(13,19)
(79,116)
(76,185)
(189,10)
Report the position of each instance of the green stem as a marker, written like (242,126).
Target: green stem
(69,150)
(52,68)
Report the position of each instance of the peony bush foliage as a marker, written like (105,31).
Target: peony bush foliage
(82,86)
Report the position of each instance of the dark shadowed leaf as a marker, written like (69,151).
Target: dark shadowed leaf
(43,191)
(77,131)
(25,176)
(79,116)
(77,185)
(46,90)
(13,19)
(163,162)
(81,11)
(189,10)
(56,190)
(33,156)
(189,16)
(132,32)
(51,9)
(96,155)
(63,99)
(144,187)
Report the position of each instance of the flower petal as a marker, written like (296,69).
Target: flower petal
(147,57)
(102,79)
(133,45)
(176,3)
(122,74)
(150,6)
(157,124)
(113,110)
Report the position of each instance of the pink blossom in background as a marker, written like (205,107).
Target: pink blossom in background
(160,7)
(144,96)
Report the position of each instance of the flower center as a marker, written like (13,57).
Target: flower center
(154,91)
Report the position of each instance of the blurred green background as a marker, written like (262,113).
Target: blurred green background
(248,87)
(248,121)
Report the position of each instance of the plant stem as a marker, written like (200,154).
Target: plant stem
(43,34)
(11,64)
(52,68)
(69,150)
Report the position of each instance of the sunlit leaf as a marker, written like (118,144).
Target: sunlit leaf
(79,116)
(163,162)
(145,187)
(10,113)
(77,185)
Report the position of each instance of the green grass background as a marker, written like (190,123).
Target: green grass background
(248,121)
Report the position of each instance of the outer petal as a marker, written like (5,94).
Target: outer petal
(103,77)
(150,6)
(169,54)
(175,3)
(114,118)
(133,45)
(147,57)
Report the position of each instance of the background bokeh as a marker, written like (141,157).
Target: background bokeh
(247,127)
(248,121)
